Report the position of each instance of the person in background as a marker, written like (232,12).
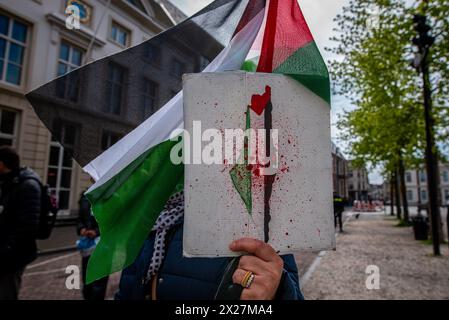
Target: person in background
(20,207)
(339,208)
(88,229)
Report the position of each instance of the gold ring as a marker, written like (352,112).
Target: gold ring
(247,279)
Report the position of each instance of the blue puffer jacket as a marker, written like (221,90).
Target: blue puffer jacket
(190,278)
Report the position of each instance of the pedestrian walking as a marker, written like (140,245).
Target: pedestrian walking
(90,233)
(339,208)
(20,209)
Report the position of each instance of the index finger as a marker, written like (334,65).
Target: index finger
(258,248)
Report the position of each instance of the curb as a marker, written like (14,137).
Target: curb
(56,250)
(305,278)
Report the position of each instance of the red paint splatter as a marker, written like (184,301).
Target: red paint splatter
(285,169)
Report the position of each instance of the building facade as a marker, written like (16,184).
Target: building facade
(376,192)
(358,183)
(339,172)
(36,46)
(416,185)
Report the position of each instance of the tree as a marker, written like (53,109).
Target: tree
(386,127)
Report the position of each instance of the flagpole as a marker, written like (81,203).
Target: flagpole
(266,65)
(268,179)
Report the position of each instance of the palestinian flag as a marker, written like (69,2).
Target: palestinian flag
(135,177)
(287,47)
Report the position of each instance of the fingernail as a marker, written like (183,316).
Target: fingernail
(232,245)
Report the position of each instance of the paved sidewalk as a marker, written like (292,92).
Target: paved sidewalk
(45,279)
(407,268)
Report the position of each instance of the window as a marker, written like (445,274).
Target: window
(119,34)
(8,127)
(70,58)
(423,195)
(177,68)
(153,54)
(114,89)
(59,176)
(446,194)
(408,176)
(422,176)
(150,94)
(108,139)
(13,41)
(409,195)
(445,176)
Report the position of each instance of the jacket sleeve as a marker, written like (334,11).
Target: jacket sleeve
(83,214)
(289,286)
(28,210)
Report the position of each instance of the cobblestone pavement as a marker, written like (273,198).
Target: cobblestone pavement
(61,237)
(408,270)
(45,279)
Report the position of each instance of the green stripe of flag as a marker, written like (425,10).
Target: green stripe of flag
(307,67)
(128,205)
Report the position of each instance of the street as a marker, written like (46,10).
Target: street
(407,267)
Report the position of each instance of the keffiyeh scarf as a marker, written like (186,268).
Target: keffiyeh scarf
(171,214)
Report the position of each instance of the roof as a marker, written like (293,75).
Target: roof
(175,14)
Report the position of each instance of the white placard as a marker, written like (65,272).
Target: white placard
(300,204)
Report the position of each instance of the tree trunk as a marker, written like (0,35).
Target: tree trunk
(391,197)
(403,189)
(397,196)
(418,181)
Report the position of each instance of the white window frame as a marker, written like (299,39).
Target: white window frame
(123,29)
(424,195)
(147,96)
(13,137)
(445,176)
(111,82)
(408,177)
(410,195)
(109,135)
(59,168)
(8,40)
(69,63)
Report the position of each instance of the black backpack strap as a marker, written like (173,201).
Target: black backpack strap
(227,289)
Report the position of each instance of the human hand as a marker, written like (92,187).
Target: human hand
(91,234)
(83,232)
(264,263)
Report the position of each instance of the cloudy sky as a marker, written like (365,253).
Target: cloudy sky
(319,15)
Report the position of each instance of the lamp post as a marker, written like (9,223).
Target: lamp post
(424,41)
